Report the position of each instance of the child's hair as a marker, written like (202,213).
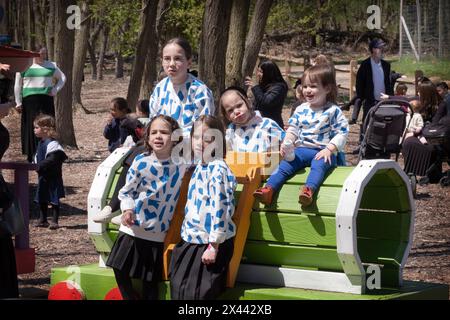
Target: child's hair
(271,73)
(183,43)
(212,123)
(48,123)
(121,104)
(400,89)
(173,125)
(321,59)
(143,107)
(442,85)
(324,74)
(416,106)
(242,94)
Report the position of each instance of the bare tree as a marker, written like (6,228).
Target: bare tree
(50,31)
(236,42)
(81,42)
(214,39)
(64,45)
(148,19)
(40,22)
(91,47)
(101,55)
(255,36)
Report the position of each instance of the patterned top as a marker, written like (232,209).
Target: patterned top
(185,103)
(258,135)
(317,128)
(152,189)
(210,204)
(38,79)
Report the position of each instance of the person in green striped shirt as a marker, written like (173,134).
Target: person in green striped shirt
(34,91)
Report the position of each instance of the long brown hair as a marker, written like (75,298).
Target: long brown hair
(429,99)
(324,74)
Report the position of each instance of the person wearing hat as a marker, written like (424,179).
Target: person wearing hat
(373,78)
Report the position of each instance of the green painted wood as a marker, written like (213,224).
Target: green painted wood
(293,228)
(325,201)
(113,184)
(113,234)
(387,252)
(382,225)
(385,198)
(385,177)
(336,177)
(259,252)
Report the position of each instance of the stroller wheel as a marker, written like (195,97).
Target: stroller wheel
(413,180)
(445,181)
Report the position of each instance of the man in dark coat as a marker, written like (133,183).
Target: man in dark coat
(373,77)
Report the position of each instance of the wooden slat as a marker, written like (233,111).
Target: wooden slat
(385,198)
(259,252)
(385,177)
(381,225)
(325,201)
(336,177)
(293,228)
(113,184)
(381,251)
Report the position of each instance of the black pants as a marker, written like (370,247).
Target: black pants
(4,140)
(149,288)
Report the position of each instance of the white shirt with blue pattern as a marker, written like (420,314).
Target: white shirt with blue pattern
(152,189)
(185,103)
(258,135)
(316,128)
(210,204)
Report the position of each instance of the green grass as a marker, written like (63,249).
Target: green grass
(431,67)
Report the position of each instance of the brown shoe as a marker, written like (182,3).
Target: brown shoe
(306,196)
(264,195)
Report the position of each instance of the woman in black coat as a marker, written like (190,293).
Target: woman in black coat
(270,92)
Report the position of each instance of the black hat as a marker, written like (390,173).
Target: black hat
(376,43)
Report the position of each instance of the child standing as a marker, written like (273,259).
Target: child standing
(200,261)
(180,95)
(119,126)
(319,130)
(148,201)
(247,130)
(49,158)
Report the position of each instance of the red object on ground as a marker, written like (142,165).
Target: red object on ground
(66,290)
(114,294)
(25,260)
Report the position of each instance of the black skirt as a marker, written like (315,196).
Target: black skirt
(4,140)
(418,156)
(33,106)
(190,279)
(139,258)
(8,274)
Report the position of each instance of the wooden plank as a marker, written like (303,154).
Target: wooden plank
(293,228)
(325,201)
(259,252)
(336,177)
(385,198)
(386,177)
(385,252)
(113,184)
(381,225)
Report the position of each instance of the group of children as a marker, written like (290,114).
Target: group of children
(317,129)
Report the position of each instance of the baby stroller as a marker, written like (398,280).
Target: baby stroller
(438,135)
(384,129)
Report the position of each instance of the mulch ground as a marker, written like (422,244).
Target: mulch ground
(429,259)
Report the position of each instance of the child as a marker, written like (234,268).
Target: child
(247,130)
(200,261)
(148,201)
(143,111)
(49,158)
(119,126)
(415,122)
(180,95)
(318,128)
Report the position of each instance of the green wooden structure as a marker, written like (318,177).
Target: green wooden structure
(352,243)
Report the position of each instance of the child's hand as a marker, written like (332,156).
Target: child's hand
(324,153)
(384,96)
(248,81)
(109,119)
(127,218)
(209,256)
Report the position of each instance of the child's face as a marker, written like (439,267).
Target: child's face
(201,139)
(160,138)
(175,63)
(39,131)
(314,93)
(441,91)
(115,112)
(235,108)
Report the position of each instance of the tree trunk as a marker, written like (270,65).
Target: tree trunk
(30,26)
(255,36)
(91,48)
(236,42)
(4,23)
(101,55)
(119,65)
(148,20)
(151,65)
(50,33)
(214,39)
(81,41)
(64,45)
(40,23)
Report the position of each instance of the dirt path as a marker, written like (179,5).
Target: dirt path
(429,259)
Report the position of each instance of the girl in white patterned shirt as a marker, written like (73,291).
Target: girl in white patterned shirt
(200,261)
(319,129)
(148,200)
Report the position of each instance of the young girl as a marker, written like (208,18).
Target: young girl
(148,201)
(119,126)
(180,95)
(247,130)
(319,130)
(415,122)
(200,261)
(49,158)
(143,111)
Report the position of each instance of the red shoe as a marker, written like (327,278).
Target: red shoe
(306,196)
(264,195)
